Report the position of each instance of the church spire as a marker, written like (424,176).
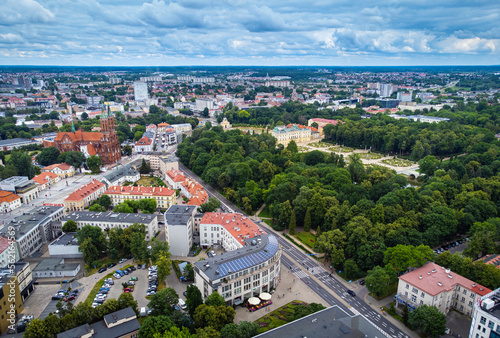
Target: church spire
(73,127)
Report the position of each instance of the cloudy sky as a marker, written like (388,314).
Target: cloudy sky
(249,32)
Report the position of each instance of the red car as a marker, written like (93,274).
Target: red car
(67,299)
(126,290)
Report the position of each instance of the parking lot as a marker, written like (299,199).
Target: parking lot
(140,286)
(454,249)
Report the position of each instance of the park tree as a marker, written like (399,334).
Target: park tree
(401,257)
(97,207)
(48,156)
(139,247)
(127,150)
(145,168)
(94,163)
(207,332)
(285,213)
(215,299)
(163,301)
(123,208)
(85,116)
(292,147)
(22,162)
(332,243)
(210,206)
(69,226)
(293,223)
(90,252)
(104,201)
(147,205)
(163,262)
(351,269)
(427,320)
(356,167)
(193,299)
(96,235)
(307,220)
(159,248)
(378,281)
(428,165)
(155,325)
(37,329)
(175,332)
(214,316)
(73,158)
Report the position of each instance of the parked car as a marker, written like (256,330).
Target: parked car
(125,272)
(69,298)
(362,282)
(130,270)
(122,260)
(102,270)
(130,257)
(149,293)
(134,278)
(133,268)
(144,266)
(131,282)
(126,290)
(57,296)
(351,293)
(111,265)
(139,266)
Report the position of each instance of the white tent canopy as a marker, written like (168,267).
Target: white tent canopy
(265,296)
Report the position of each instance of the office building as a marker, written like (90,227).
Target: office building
(250,265)
(434,285)
(119,324)
(164,197)
(486,317)
(140,91)
(55,267)
(110,220)
(65,246)
(34,228)
(82,197)
(385,90)
(179,228)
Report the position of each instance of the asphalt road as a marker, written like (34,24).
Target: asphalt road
(300,261)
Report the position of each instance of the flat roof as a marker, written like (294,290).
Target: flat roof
(14,141)
(110,216)
(27,221)
(330,322)
(116,174)
(55,264)
(179,214)
(66,239)
(256,251)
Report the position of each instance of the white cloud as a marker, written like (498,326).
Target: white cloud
(452,44)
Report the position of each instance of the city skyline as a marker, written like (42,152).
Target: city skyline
(271,33)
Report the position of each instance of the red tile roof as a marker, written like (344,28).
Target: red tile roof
(79,136)
(144,141)
(44,177)
(131,190)
(62,166)
(235,224)
(199,198)
(84,191)
(176,175)
(4,244)
(434,279)
(493,259)
(327,121)
(7,196)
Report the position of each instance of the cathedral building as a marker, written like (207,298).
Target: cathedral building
(105,143)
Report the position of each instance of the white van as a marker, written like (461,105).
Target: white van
(143,312)
(182,304)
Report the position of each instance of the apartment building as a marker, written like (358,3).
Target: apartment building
(46,179)
(121,175)
(486,317)
(244,272)
(9,201)
(175,178)
(9,251)
(11,304)
(62,170)
(164,197)
(145,144)
(434,285)
(33,229)
(110,220)
(179,221)
(167,163)
(82,197)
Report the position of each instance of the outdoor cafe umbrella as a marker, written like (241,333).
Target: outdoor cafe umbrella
(253,301)
(265,296)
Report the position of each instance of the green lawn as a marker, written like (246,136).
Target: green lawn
(265,212)
(150,182)
(306,238)
(278,317)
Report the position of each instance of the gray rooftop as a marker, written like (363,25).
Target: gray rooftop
(117,174)
(55,264)
(93,216)
(101,330)
(15,141)
(66,239)
(331,322)
(256,250)
(179,214)
(15,180)
(33,218)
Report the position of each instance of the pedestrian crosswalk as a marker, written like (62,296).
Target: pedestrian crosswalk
(301,274)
